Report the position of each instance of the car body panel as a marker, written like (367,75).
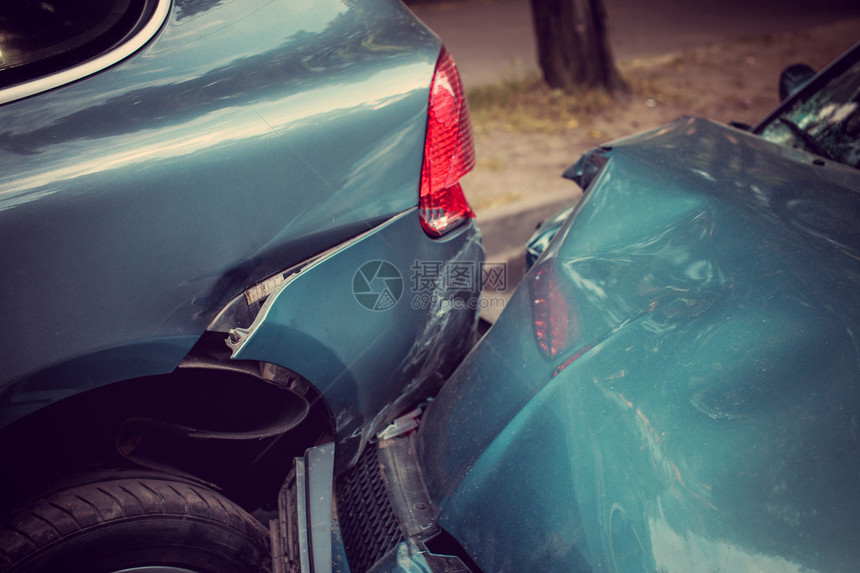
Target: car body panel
(358,357)
(192,170)
(701,411)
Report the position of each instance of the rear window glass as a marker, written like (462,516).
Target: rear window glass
(40,37)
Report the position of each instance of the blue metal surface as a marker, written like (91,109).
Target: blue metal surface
(243,139)
(357,357)
(544,234)
(700,413)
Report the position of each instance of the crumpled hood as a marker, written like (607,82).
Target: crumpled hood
(674,386)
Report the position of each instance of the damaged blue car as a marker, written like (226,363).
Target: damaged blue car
(674,387)
(228,231)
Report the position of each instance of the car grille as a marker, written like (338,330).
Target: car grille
(367,522)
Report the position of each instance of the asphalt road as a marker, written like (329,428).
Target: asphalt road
(493,39)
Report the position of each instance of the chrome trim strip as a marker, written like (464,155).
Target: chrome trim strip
(90,67)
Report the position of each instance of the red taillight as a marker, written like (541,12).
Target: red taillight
(551,314)
(449,152)
(556,323)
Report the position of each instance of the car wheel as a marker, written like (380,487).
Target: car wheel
(141,525)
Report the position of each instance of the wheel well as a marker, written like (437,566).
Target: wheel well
(235,426)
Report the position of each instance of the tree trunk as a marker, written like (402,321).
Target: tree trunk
(573,44)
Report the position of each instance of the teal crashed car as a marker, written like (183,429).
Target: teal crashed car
(674,387)
(228,231)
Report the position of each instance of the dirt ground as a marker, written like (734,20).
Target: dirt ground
(729,81)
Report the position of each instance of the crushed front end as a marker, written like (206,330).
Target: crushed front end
(378,516)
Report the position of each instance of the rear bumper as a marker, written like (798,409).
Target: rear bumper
(375,325)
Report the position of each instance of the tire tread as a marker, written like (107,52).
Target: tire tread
(77,509)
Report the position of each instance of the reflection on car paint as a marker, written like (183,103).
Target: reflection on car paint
(704,415)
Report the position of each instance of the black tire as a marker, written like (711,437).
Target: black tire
(126,522)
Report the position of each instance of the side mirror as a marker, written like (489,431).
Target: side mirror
(588,167)
(792,79)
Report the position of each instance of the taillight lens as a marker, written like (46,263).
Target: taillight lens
(551,313)
(556,323)
(449,152)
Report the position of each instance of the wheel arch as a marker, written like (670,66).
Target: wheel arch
(233,425)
